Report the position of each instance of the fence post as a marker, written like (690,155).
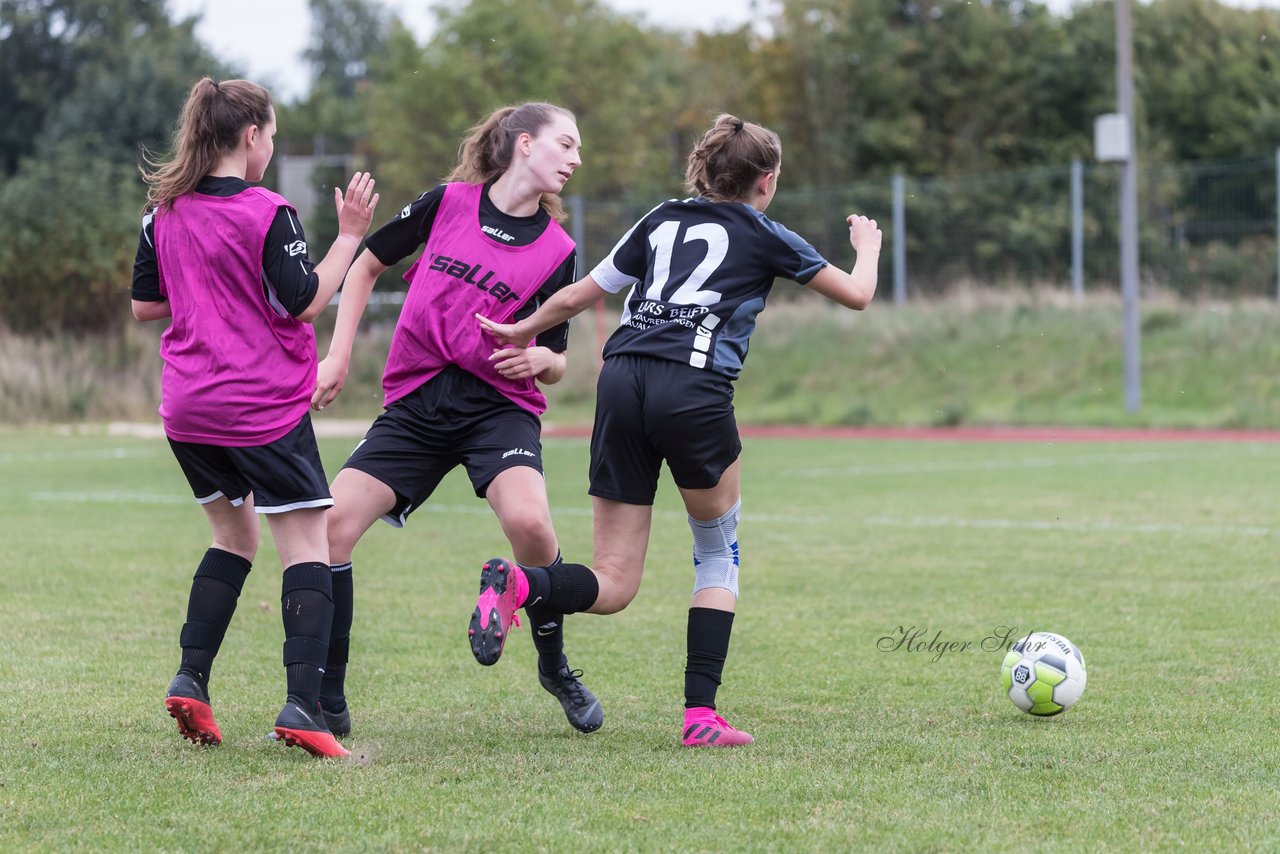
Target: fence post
(899,240)
(578,231)
(1077,228)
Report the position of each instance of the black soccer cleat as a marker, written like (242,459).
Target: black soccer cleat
(296,727)
(336,715)
(580,706)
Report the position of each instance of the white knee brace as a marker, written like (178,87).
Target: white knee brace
(715,551)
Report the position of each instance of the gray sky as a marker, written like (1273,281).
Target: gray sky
(267,37)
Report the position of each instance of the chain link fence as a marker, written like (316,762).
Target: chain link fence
(1206,228)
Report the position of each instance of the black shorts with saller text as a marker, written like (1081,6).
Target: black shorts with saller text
(452,419)
(282,475)
(649,410)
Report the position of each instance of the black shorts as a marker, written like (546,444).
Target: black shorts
(453,419)
(284,475)
(649,410)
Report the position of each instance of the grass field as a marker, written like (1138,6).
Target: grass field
(979,356)
(1159,560)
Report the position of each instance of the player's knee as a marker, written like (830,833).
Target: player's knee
(612,598)
(245,546)
(343,530)
(530,533)
(715,551)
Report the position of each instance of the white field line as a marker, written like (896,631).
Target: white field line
(112,497)
(76,456)
(481,509)
(1007,464)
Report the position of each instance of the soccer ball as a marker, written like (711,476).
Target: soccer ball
(1043,674)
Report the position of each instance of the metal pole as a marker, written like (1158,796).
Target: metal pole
(578,228)
(578,231)
(899,240)
(1128,211)
(1077,229)
(1278,223)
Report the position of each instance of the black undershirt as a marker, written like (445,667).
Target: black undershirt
(292,276)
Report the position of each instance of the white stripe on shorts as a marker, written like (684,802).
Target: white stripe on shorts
(299,505)
(209,499)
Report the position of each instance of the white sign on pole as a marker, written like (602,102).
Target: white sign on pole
(1111,137)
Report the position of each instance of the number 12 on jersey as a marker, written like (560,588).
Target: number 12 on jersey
(663,241)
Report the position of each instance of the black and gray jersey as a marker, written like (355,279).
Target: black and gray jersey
(699,273)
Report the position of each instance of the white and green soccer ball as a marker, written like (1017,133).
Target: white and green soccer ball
(1043,674)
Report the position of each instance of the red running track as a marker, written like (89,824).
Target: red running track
(979,434)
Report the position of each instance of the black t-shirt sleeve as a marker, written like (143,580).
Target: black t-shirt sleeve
(287,269)
(406,233)
(555,339)
(146,272)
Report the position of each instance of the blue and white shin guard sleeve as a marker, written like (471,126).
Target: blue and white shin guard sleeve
(715,551)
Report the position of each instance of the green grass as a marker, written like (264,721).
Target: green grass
(1158,560)
(974,357)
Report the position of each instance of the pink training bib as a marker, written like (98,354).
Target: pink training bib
(238,372)
(462,272)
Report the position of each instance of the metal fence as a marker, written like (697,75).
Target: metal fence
(1206,228)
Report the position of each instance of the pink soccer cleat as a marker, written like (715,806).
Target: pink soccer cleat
(704,728)
(298,728)
(503,589)
(187,703)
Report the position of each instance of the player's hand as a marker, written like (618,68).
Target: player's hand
(331,376)
(355,209)
(504,333)
(864,236)
(517,363)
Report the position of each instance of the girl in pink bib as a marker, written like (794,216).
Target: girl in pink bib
(489,241)
(227,263)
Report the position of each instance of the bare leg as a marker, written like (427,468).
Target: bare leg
(518,497)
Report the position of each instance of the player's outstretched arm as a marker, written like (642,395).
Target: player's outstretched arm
(545,366)
(567,302)
(855,288)
(355,213)
(331,375)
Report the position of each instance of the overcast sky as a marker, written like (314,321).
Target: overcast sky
(266,37)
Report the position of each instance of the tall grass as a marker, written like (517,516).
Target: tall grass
(978,356)
(79,378)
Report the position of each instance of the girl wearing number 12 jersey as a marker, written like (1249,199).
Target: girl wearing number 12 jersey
(700,271)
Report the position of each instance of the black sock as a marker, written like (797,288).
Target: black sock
(547,623)
(569,588)
(306,608)
(708,644)
(215,589)
(333,683)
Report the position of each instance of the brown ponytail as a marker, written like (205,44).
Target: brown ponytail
(487,149)
(209,126)
(730,158)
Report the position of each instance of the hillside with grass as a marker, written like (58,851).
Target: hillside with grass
(976,357)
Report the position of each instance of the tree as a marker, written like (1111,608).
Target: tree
(72,202)
(623,82)
(45,48)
